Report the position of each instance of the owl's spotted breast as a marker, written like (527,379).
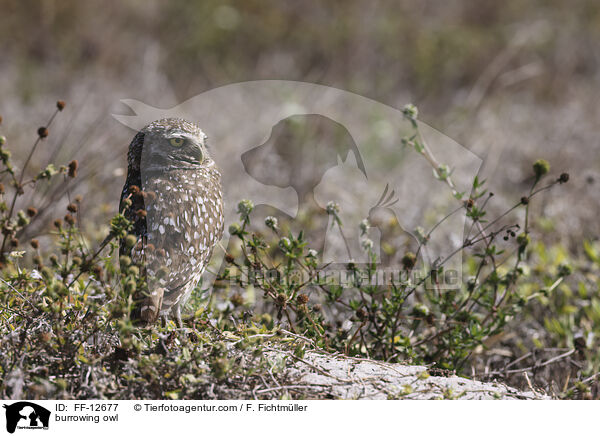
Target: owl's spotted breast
(184,222)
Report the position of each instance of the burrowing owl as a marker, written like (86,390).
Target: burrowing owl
(177,212)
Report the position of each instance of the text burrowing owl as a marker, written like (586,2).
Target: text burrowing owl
(174,187)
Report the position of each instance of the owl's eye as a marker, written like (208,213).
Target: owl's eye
(176,142)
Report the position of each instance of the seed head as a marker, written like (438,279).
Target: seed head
(541,167)
(70,219)
(43,132)
(564,270)
(564,178)
(523,239)
(234,229)
(367,244)
(32,211)
(281,299)
(60,105)
(524,200)
(73,166)
(302,299)
(410,112)
(72,207)
(244,208)
(409,260)
(130,241)
(361,314)
(364,226)
(271,222)
(285,243)
(124,261)
(333,208)
(35,244)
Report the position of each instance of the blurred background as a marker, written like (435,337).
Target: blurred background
(511,81)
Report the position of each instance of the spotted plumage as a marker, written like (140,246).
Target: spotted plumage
(176,209)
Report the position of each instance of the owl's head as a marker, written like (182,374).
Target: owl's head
(168,144)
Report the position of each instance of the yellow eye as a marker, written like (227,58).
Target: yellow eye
(176,142)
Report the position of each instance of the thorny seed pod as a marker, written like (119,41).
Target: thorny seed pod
(73,166)
(72,207)
(361,314)
(22,219)
(409,260)
(60,105)
(32,211)
(124,261)
(70,219)
(524,200)
(541,168)
(302,299)
(78,198)
(53,259)
(35,244)
(564,178)
(58,223)
(281,299)
(130,241)
(43,132)
(271,222)
(523,239)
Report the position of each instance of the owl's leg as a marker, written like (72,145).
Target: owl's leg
(177,315)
